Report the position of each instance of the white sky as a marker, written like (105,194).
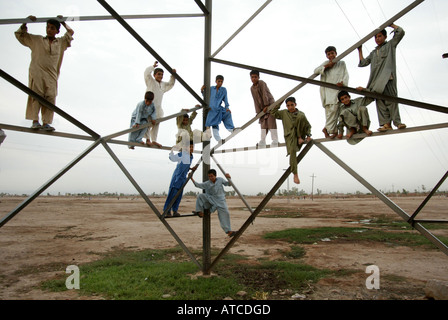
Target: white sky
(102,81)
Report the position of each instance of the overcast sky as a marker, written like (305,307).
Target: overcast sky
(102,81)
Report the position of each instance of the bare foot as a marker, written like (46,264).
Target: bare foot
(366,131)
(158,145)
(324,130)
(333,135)
(351,133)
(296,179)
(148,142)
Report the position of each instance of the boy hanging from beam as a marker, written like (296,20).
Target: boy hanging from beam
(297,130)
(213,199)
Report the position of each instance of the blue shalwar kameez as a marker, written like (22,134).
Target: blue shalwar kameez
(178,179)
(217,112)
(214,199)
(140,116)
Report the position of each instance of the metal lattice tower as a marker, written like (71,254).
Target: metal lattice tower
(208,153)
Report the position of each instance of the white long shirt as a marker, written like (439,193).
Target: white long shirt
(333,75)
(158,88)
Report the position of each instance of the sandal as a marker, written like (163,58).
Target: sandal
(231,233)
(47,127)
(384,128)
(36,125)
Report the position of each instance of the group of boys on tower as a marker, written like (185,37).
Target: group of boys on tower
(340,110)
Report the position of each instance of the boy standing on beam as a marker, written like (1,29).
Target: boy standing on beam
(262,100)
(336,73)
(153,79)
(383,76)
(46,59)
(183,159)
(217,112)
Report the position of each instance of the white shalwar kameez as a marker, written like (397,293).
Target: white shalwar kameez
(158,88)
(329,97)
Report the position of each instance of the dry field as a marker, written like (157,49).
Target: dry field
(54,232)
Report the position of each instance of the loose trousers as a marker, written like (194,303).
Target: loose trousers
(202,203)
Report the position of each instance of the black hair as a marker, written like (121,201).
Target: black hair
(149,96)
(220,77)
(255,72)
(212,171)
(156,70)
(384,32)
(342,93)
(290,99)
(54,22)
(330,48)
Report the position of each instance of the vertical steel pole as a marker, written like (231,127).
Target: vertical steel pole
(206,225)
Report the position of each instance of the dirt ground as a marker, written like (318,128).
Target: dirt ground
(54,232)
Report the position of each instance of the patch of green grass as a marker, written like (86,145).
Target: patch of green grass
(309,236)
(274,275)
(151,274)
(283,212)
(394,224)
(296,252)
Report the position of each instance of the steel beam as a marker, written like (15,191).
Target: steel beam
(100,18)
(234,186)
(422,205)
(47,133)
(202,7)
(36,193)
(384,199)
(262,204)
(206,224)
(366,93)
(150,204)
(310,79)
(355,136)
(48,104)
(241,28)
(129,130)
(149,49)
(179,192)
